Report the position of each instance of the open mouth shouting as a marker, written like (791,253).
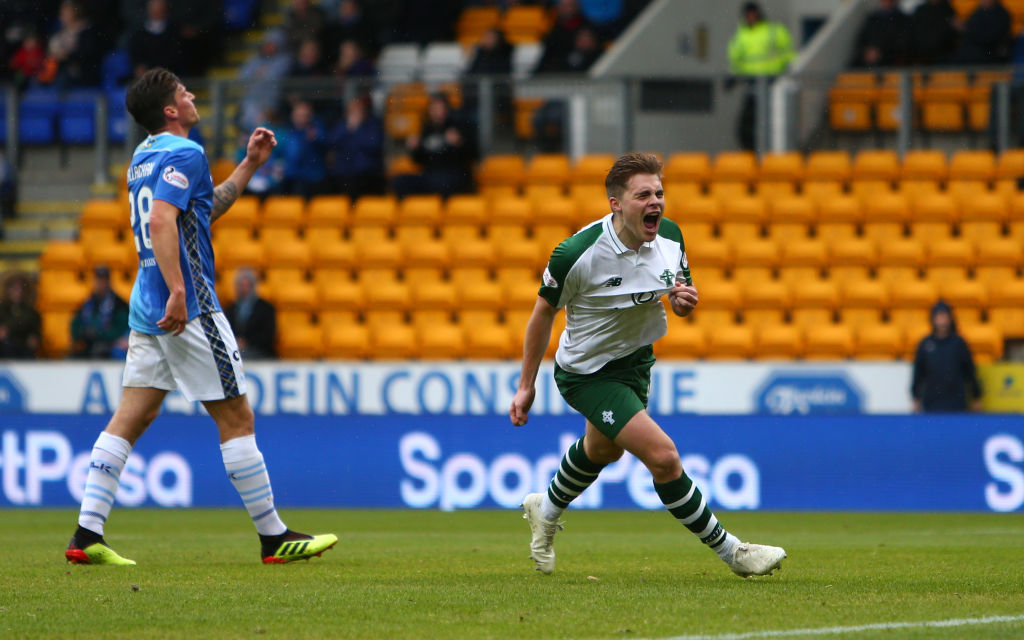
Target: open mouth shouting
(651,221)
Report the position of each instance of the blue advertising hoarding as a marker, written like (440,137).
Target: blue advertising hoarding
(941,463)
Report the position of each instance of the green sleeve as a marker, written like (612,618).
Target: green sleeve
(556,285)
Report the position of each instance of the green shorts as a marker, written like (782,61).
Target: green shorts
(613,394)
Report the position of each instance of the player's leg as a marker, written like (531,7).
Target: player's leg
(135,412)
(651,445)
(578,469)
(248,474)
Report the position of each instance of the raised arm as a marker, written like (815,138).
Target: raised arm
(257,152)
(535,343)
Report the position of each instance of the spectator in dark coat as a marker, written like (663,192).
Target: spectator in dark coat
(303,20)
(351,24)
(353,62)
(944,368)
(155,43)
(562,36)
(252,319)
(308,61)
(884,40)
(76,48)
(20,324)
(986,37)
(198,27)
(101,324)
(355,159)
(445,149)
(493,54)
(585,51)
(303,152)
(933,33)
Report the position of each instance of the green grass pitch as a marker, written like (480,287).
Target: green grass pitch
(424,574)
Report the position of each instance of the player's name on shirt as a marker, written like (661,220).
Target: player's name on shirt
(140,171)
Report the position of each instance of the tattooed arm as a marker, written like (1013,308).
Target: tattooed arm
(261,143)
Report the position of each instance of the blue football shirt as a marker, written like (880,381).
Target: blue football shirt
(173,169)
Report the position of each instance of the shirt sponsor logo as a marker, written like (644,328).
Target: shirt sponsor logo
(668,277)
(549,280)
(613,281)
(174,177)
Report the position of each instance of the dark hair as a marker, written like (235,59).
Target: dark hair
(148,96)
(627,166)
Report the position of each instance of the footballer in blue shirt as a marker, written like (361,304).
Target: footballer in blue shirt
(179,338)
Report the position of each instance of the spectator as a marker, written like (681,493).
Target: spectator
(75,48)
(303,20)
(944,368)
(759,48)
(198,25)
(303,153)
(101,324)
(356,152)
(252,319)
(263,74)
(28,61)
(493,54)
(585,51)
(20,323)
(933,36)
(269,177)
(350,23)
(562,36)
(986,36)
(444,149)
(884,40)
(352,62)
(154,44)
(308,61)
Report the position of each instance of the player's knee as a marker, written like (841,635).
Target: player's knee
(664,464)
(605,455)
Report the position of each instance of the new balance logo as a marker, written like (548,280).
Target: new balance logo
(613,281)
(293,548)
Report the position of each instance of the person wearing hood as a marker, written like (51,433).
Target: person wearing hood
(944,372)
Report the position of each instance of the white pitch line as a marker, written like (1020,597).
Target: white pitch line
(835,631)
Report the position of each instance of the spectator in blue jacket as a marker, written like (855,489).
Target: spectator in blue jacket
(304,146)
(944,372)
(355,157)
(101,324)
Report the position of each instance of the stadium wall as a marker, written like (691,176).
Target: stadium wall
(904,463)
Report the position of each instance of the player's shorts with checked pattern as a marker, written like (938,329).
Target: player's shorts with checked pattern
(203,362)
(613,394)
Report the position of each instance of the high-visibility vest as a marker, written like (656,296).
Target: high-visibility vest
(764,49)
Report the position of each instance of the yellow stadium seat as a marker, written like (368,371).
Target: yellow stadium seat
(852,259)
(899,260)
(523,23)
(802,261)
(924,164)
(697,232)
(682,342)
(828,165)
(687,167)
(743,218)
(327,215)
(821,190)
(764,302)
(782,167)
(965,190)
(863,301)
(728,190)
(221,170)
(731,342)
(386,302)
(771,189)
(719,302)
(296,296)
(520,253)
(91,236)
(933,217)
(104,214)
(485,296)
(419,210)
(1010,165)
(502,170)
(985,341)
(294,254)
(514,280)
(828,342)
(244,213)
(943,101)
(403,165)
(284,211)
(243,254)
(380,255)
(911,302)
(972,165)
(879,342)
(779,342)
(849,101)
(374,211)
(592,168)
(474,21)
(914,189)
(885,216)
(560,210)
(755,259)
(299,342)
(473,253)
(465,209)
(998,259)
(838,218)
(791,218)
(489,342)
(699,209)
(982,216)
(333,257)
(709,260)
(425,258)
(55,333)
(549,236)
(393,342)
(346,341)
(60,254)
(1006,307)
(887,108)
(949,260)
(116,257)
(61,296)
(814,302)
(441,342)
(549,169)
(734,166)
(339,296)
(876,164)
(967,297)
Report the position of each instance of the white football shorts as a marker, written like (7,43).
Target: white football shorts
(203,362)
